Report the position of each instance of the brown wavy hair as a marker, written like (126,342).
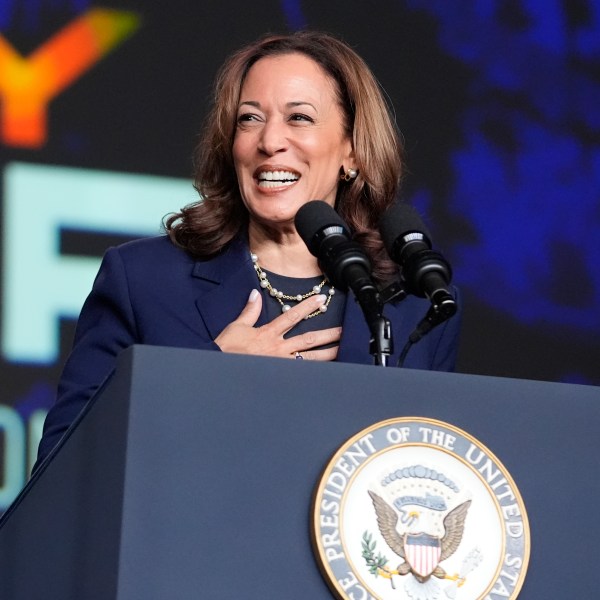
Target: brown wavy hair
(205,227)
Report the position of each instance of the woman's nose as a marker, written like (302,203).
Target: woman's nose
(273,138)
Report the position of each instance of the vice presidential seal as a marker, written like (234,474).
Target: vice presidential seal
(414,508)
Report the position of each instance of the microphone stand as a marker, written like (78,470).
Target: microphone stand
(381,344)
(443,307)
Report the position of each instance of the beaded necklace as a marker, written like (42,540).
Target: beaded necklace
(281,296)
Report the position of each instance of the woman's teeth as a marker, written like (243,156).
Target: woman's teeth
(271,179)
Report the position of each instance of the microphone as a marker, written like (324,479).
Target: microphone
(346,265)
(425,272)
(327,237)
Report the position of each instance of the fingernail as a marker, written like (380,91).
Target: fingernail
(253,296)
(320,298)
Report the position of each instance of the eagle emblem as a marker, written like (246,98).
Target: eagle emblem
(421,551)
(409,508)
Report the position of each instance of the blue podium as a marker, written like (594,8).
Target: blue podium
(191,475)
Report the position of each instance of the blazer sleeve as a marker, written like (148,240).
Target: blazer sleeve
(120,311)
(106,326)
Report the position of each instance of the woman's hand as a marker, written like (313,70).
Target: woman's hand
(241,337)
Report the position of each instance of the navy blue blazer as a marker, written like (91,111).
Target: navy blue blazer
(150,292)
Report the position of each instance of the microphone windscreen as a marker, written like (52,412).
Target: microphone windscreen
(312,218)
(399,220)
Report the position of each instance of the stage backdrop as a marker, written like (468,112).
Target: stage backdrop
(498,101)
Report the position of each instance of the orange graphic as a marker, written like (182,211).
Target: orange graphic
(27,85)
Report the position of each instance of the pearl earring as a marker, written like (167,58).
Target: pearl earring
(349,175)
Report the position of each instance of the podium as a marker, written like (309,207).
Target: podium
(191,474)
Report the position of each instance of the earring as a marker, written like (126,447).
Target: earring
(349,175)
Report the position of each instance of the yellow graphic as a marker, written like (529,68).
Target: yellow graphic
(27,85)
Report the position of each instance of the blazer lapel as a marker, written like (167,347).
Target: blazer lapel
(226,282)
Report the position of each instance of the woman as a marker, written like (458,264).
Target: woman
(296,118)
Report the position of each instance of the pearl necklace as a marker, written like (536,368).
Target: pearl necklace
(280,296)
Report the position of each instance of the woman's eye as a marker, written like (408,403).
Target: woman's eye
(301,117)
(246,118)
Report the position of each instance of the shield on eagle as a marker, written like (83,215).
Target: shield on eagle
(423,552)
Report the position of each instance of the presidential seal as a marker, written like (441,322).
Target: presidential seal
(413,508)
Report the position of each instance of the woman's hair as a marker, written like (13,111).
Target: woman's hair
(207,226)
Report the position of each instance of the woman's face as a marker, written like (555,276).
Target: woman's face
(289,144)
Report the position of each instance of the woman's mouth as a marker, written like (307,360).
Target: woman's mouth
(274,179)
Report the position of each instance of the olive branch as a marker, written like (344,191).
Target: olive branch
(375,563)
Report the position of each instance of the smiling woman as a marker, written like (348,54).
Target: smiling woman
(316,70)
(296,118)
(289,146)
